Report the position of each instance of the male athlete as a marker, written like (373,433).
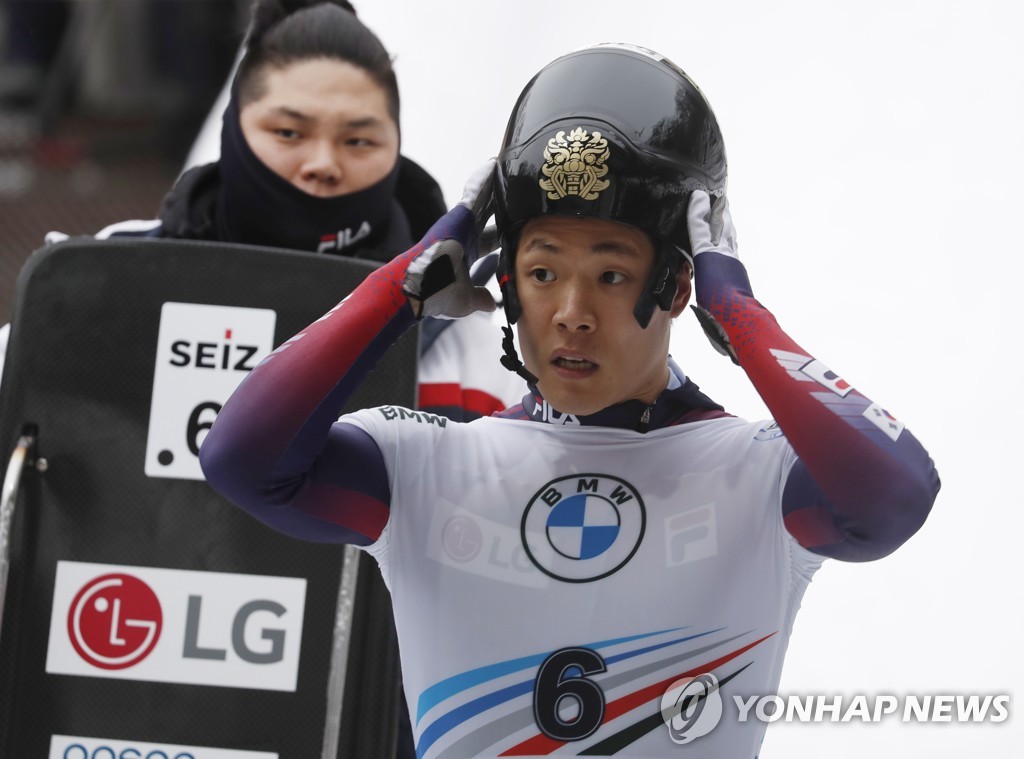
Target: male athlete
(603,568)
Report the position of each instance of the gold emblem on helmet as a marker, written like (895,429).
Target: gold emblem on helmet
(574,165)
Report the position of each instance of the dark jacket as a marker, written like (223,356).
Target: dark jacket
(189,211)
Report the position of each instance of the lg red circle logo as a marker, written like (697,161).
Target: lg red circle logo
(114,621)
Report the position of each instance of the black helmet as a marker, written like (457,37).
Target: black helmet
(614,132)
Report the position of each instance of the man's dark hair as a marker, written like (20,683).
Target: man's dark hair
(283,32)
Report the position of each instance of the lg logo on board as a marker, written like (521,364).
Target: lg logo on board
(167,625)
(114,621)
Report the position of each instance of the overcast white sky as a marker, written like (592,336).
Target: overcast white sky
(875,180)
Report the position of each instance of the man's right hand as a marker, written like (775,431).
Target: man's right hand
(437,281)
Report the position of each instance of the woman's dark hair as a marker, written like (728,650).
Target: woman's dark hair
(287,31)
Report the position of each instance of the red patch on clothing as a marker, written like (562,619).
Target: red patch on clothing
(439,395)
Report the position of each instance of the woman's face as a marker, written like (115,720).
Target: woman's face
(324,126)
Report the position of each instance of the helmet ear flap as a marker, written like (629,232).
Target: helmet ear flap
(661,286)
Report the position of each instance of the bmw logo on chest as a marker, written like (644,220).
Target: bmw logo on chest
(583,527)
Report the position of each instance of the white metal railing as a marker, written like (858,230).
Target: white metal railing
(12,479)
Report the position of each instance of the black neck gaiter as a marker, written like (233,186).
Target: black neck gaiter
(257,207)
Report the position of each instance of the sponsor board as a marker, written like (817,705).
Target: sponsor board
(76,747)
(176,626)
(202,353)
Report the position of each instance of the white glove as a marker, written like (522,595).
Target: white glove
(437,281)
(710,225)
(712,234)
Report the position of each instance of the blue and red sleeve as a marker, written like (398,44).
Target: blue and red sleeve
(863,484)
(276,448)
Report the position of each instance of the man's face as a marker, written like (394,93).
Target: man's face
(324,126)
(579,281)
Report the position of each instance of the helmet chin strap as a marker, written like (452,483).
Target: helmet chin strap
(510,304)
(511,359)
